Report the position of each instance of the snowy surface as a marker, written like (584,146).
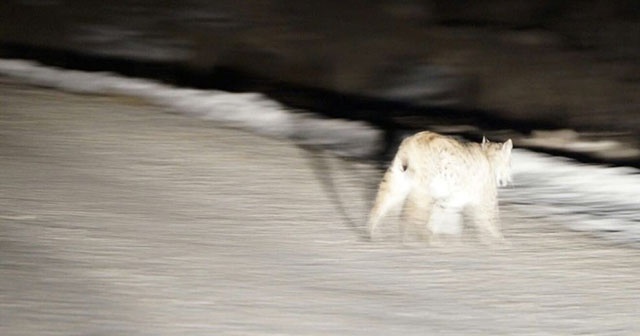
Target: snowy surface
(584,197)
(252,111)
(600,199)
(118,219)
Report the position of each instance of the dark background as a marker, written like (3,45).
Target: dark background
(527,64)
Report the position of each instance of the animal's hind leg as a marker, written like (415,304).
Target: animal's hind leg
(394,188)
(416,215)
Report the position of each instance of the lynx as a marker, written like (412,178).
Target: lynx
(434,173)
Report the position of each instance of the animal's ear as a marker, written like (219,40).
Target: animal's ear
(507,146)
(485,142)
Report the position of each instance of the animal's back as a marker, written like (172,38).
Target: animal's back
(445,165)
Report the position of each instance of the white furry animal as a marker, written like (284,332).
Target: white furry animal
(435,172)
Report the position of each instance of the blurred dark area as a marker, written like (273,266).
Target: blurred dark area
(527,64)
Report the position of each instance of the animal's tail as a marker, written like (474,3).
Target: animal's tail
(393,191)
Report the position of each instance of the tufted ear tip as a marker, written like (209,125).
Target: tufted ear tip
(484,142)
(507,146)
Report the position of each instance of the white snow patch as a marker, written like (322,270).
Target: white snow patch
(252,111)
(584,197)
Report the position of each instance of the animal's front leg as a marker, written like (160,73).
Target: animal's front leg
(487,221)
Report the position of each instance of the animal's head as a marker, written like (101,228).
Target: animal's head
(499,154)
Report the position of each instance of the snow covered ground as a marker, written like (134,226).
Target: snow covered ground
(116,219)
(597,199)
(591,198)
(252,111)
